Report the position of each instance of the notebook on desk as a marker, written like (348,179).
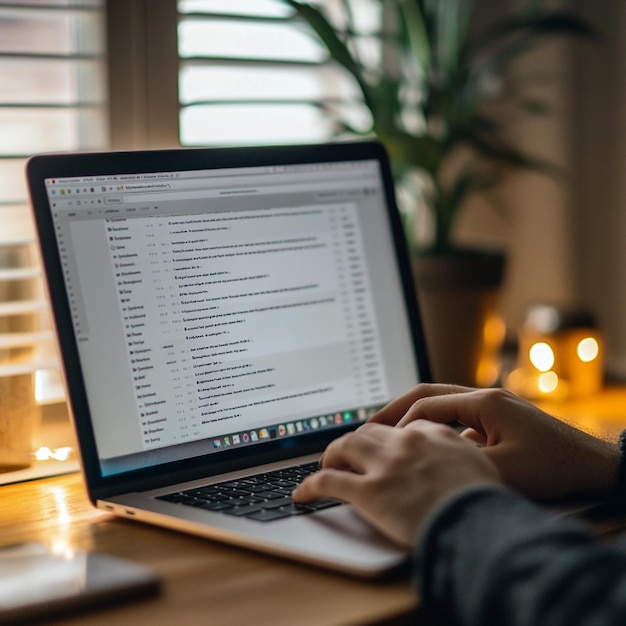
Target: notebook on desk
(222,315)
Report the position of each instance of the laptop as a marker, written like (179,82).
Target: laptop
(223,315)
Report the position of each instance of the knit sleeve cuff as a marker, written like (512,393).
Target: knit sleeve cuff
(618,497)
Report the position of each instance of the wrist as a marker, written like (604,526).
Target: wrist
(589,467)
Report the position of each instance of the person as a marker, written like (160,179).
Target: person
(485,548)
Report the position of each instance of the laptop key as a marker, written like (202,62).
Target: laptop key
(250,499)
(255,487)
(276,503)
(269,495)
(295,509)
(267,515)
(242,511)
(284,483)
(213,506)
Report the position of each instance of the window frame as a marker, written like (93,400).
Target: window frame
(142,74)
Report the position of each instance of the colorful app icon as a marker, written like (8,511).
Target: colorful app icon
(245,438)
(217,443)
(264,433)
(226,441)
(236,440)
(282,430)
(347,416)
(254,436)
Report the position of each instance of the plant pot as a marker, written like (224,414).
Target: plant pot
(458,296)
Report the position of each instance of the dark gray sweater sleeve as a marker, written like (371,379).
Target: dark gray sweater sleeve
(490,557)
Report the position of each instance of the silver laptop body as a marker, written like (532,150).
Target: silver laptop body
(222,313)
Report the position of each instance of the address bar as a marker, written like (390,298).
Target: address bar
(138,186)
(181,195)
(225,193)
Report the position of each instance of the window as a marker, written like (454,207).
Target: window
(222,72)
(52,99)
(251,72)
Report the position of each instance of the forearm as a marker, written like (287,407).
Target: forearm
(490,557)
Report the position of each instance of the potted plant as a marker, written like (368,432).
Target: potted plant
(437,103)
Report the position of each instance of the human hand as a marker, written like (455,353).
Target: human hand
(536,454)
(395,476)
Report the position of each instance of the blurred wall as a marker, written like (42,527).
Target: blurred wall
(566,239)
(598,101)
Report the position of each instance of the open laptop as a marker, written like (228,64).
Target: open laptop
(223,314)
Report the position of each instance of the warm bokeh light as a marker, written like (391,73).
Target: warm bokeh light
(61,548)
(561,355)
(548,382)
(587,349)
(542,356)
(60,454)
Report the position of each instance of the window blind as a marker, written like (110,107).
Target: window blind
(250,72)
(52,70)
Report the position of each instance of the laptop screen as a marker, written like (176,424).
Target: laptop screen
(224,308)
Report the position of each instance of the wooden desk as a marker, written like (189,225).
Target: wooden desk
(204,582)
(209,583)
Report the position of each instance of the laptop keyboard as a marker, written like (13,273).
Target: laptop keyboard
(262,497)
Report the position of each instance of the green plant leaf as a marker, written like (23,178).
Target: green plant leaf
(337,49)
(413,20)
(453,19)
(501,152)
(422,152)
(470,180)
